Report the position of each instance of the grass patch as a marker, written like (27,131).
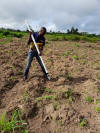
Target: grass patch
(67,53)
(68,94)
(25,96)
(88,99)
(97,109)
(14,124)
(47,97)
(68,76)
(98,76)
(76,45)
(49,90)
(56,106)
(83,122)
(75,57)
(98,90)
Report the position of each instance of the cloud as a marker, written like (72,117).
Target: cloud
(54,14)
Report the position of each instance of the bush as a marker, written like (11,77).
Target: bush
(6,33)
(17,35)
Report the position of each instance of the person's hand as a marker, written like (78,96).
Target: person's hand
(30,32)
(40,53)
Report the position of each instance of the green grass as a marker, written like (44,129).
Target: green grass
(98,90)
(67,53)
(83,62)
(46,97)
(39,98)
(59,122)
(83,122)
(75,57)
(20,72)
(97,109)
(49,90)
(68,76)
(25,96)
(56,106)
(70,99)
(89,99)
(11,78)
(68,94)
(98,76)
(96,101)
(6,35)
(14,124)
(76,45)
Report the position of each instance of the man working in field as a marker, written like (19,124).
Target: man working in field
(40,40)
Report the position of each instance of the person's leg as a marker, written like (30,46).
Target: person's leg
(29,61)
(39,61)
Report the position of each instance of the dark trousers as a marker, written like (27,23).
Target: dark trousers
(31,55)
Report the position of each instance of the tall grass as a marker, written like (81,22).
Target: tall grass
(10,125)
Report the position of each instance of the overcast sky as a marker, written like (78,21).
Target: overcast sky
(54,14)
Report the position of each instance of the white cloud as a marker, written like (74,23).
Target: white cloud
(54,14)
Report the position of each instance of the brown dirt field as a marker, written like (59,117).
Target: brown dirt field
(46,104)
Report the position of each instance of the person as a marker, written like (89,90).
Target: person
(40,40)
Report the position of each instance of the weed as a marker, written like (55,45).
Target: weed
(49,60)
(47,97)
(26,131)
(15,123)
(75,57)
(20,72)
(96,102)
(59,122)
(68,76)
(67,53)
(98,90)
(97,109)
(11,78)
(83,122)
(50,97)
(70,99)
(39,99)
(98,76)
(56,106)
(83,62)
(9,52)
(25,96)
(89,99)
(76,45)
(13,67)
(49,90)
(58,130)
(86,92)
(69,92)
(68,95)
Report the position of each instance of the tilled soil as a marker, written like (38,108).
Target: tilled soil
(46,107)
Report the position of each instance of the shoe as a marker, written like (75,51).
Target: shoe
(47,77)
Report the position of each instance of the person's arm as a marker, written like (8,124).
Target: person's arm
(41,51)
(30,39)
